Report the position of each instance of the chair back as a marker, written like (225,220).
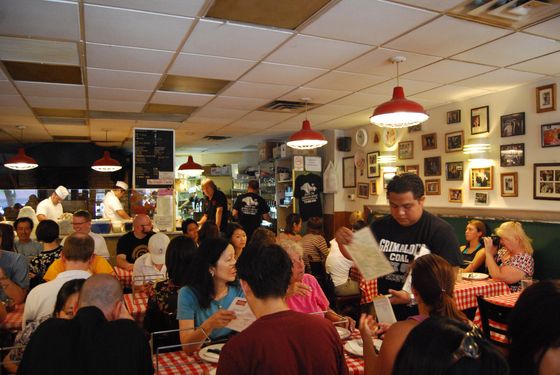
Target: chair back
(494,320)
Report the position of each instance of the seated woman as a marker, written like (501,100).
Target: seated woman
(473,250)
(262,236)
(208,230)
(237,238)
(514,261)
(211,287)
(292,229)
(47,233)
(314,245)
(433,282)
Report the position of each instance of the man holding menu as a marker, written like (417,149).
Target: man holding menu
(402,234)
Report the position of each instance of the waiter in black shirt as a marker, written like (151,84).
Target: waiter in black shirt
(215,205)
(250,209)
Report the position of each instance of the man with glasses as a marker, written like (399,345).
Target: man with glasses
(135,243)
(81,222)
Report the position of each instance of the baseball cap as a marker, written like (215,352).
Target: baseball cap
(123,185)
(62,192)
(157,245)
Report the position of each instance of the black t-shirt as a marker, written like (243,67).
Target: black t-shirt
(250,209)
(308,190)
(401,244)
(133,247)
(211,205)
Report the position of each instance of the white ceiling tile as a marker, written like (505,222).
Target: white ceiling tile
(282,74)
(273,117)
(446,36)
(181,98)
(549,64)
(39,51)
(51,89)
(43,19)
(501,79)
(127,58)
(122,79)
(440,5)
(410,87)
(333,109)
(6,88)
(157,124)
(357,119)
(68,130)
(234,130)
(232,102)
(336,80)
(114,126)
(505,51)
(320,96)
(286,127)
(2,75)
(109,93)
(361,100)
(192,127)
(450,93)
(378,62)
(175,7)
(550,28)
(115,106)
(54,102)
(208,121)
(12,100)
(447,71)
(18,116)
(134,28)
(256,90)
(367,21)
(316,52)
(193,65)
(227,39)
(221,113)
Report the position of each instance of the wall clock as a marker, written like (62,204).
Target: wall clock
(361,137)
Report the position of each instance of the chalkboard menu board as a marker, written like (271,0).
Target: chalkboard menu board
(154,158)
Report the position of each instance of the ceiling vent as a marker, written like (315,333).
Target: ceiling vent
(216,137)
(515,14)
(286,106)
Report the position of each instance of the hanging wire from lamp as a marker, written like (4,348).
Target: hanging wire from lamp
(106,163)
(399,112)
(21,162)
(306,138)
(190,168)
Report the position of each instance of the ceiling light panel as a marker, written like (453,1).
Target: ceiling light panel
(336,80)
(548,64)
(189,8)
(501,79)
(133,28)
(226,39)
(181,98)
(193,84)
(170,109)
(33,72)
(256,90)
(39,51)
(366,21)
(121,79)
(447,71)
(225,68)
(127,58)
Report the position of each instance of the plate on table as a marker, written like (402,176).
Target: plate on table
(343,333)
(211,353)
(474,276)
(356,347)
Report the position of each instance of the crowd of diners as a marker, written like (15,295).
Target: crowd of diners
(72,326)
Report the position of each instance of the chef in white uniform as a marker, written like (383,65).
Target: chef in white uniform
(112,207)
(51,208)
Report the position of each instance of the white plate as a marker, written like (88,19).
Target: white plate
(205,355)
(474,276)
(356,347)
(343,332)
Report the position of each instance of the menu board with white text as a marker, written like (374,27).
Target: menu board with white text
(154,158)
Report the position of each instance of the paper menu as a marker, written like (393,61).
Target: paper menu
(244,317)
(407,286)
(367,256)
(384,310)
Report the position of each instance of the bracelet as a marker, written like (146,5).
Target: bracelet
(203,331)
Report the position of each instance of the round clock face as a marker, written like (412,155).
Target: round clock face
(389,137)
(361,137)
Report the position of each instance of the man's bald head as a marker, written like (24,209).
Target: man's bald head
(142,225)
(101,291)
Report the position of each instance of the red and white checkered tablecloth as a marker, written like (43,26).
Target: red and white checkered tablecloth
(467,290)
(368,289)
(507,300)
(124,276)
(136,303)
(13,319)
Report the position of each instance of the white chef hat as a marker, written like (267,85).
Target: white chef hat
(123,185)
(62,192)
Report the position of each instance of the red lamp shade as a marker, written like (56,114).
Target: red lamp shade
(306,138)
(399,112)
(21,162)
(190,168)
(106,164)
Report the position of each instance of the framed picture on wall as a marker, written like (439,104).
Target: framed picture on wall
(546,181)
(481,199)
(550,135)
(373,187)
(456,195)
(429,141)
(406,150)
(348,172)
(454,117)
(363,190)
(454,171)
(508,182)
(373,164)
(512,155)
(479,120)
(513,124)
(433,187)
(481,178)
(546,98)
(413,169)
(454,141)
(432,166)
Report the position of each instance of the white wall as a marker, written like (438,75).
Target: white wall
(244,159)
(520,99)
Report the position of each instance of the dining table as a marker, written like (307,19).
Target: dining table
(13,320)
(368,290)
(506,300)
(124,277)
(136,304)
(467,290)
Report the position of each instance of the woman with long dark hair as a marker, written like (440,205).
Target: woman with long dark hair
(292,229)
(473,250)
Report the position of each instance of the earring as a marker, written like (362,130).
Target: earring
(211,273)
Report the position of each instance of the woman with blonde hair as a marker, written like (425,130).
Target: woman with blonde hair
(473,250)
(514,260)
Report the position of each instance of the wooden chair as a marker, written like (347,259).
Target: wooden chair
(494,320)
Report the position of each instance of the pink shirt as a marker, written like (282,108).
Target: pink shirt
(315,302)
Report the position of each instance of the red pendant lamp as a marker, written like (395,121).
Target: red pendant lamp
(21,162)
(399,112)
(190,168)
(106,163)
(306,138)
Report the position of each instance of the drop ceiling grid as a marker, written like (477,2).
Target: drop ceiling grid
(549,64)
(195,65)
(122,79)
(184,8)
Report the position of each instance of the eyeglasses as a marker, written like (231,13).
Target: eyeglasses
(469,347)
(82,223)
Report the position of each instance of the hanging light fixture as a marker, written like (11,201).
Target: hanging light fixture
(399,112)
(190,168)
(106,163)
(21,162)
(306,138)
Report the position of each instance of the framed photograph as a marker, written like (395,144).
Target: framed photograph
(481,199)
(362,191)
(415,128)
(348,172)
(508,182)
(512,155)
(387,177)
(373,164)
(513,124)
(546,98)
(400,169)
(550,135)
(433,187)
(456,195)
(454,141)
(454,117)
(432,166)
(454,171)
(546,181)
(413,169)
(479,120)
(406,150)
(373,187)
(429,141)
(481,178)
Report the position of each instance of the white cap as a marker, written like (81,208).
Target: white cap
(62,192)
(157,245)
(123,185)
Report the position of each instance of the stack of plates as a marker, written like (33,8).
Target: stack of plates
(208,353)
(356,347)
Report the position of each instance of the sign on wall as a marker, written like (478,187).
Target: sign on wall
(154,158)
